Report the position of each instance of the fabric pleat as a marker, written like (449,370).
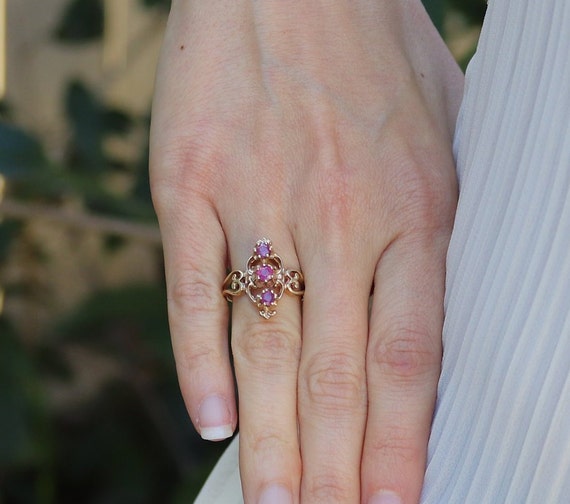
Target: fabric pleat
(501,432)
(224,484)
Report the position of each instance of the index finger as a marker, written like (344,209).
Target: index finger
(194,256)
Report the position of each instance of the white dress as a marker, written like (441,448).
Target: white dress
(501,432)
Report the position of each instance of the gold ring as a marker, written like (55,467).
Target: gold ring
(264,280)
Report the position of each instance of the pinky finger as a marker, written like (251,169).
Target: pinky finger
(404,358)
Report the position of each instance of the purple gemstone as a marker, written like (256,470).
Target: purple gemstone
(263,249)
(265,273)
(267,298)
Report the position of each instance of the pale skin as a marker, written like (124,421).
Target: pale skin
(324,125)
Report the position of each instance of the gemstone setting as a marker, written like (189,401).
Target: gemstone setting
(268,298)
(265,273)
(263,248)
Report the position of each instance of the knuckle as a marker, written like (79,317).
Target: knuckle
(329,488)
(426,191)
(188,164)
(333,182)
(334,197)
(399,446)
(264,442)
(193,292)
(195,356)
(407,355)
(267,347)
(335,383)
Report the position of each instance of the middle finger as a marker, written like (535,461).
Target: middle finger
(332,381)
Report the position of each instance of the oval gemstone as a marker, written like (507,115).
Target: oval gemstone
(263,249)
(265,273)
(267,298)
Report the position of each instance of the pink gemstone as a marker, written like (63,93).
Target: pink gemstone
(267,298)
(265,273)
(263,249)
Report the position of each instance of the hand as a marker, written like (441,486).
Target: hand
(324,126)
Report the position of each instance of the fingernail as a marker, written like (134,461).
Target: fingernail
(214,419)
(384,497)
(276,494)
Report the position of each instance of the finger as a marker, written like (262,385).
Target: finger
(266,357)
(332,381)
(403,363)
(194,254)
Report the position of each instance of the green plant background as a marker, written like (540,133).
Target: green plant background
(131,441)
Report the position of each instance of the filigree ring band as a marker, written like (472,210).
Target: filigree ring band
(264,280)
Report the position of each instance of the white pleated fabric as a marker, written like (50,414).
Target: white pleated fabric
(224,484)
(501,432)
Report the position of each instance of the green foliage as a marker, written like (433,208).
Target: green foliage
(436,11)
(473,10)
(85,115)
(87,164)
(129,322)
(24,423)
(8,233)
(82,21)
(21,155)
(163,4)
(130,440)
(20,402)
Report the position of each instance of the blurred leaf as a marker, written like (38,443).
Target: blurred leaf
(20,401)
(20,153)
(130,440)
(473,10)
(129,321)
(116,122)
(436,11)
(164,4)
(194,480)
(113,243)
(91,123)
(82,21)
(463,62)
(85,114)
(52,363)
(141,188)
(8,231)
(5,110)
(109,204)
(123,460)
(141,303)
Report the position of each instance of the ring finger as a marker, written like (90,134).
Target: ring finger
(266,358)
